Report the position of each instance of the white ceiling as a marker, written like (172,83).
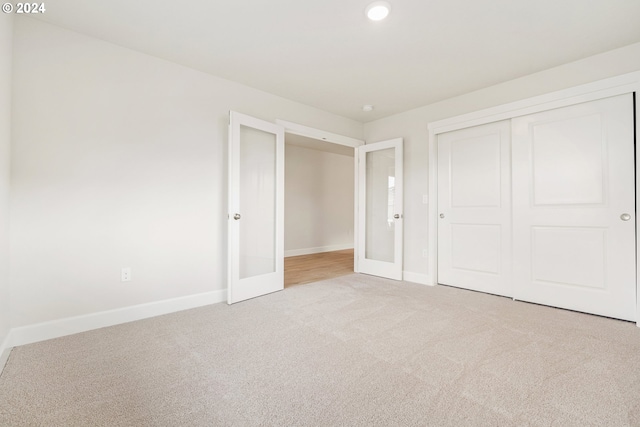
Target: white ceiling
(326,53)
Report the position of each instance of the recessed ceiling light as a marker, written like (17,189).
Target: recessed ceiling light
(378,10)
(367,107)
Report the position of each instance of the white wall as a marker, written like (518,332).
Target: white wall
(412,125)
(119,160)
(5,136)
(318,201)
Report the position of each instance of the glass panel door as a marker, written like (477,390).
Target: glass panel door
(380,209)
(257,249)
(256,208)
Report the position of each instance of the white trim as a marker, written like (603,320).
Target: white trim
(356,208)
(297,129)
(626,83)
(73,325)
(584,93)
(422,279)
(317,250)
(637,141)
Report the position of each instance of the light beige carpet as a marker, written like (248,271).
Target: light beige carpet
(351,351)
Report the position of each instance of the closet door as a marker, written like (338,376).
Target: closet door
(574,208)
(474,207)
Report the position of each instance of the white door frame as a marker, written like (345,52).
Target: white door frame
(334,138)
(626,83)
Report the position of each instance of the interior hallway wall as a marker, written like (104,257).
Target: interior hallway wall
(319,192)
(119,160)
(412,125)
(6,32)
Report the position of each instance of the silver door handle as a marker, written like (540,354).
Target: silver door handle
(441,215)
(625,217)
(396,216)
(236,216)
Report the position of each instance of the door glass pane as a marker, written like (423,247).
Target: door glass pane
(257,202)
(380,192)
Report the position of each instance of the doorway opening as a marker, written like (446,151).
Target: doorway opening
(319,210)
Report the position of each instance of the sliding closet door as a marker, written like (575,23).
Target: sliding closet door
(474,207)
(574,208)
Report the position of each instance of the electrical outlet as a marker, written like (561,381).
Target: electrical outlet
(425,199)
(126,274)
(424,253)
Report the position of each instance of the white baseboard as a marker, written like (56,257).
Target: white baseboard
(320,249)
(73,325)
(422,279)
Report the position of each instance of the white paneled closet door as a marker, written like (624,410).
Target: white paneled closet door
(474,208)
(574,208)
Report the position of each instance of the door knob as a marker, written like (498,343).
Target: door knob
(625,217)
(396,216)
(236,216)
(441,215)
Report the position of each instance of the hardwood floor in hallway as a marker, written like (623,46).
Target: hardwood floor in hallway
(315,267)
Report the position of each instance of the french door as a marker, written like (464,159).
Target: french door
(256,208)
(380,213)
